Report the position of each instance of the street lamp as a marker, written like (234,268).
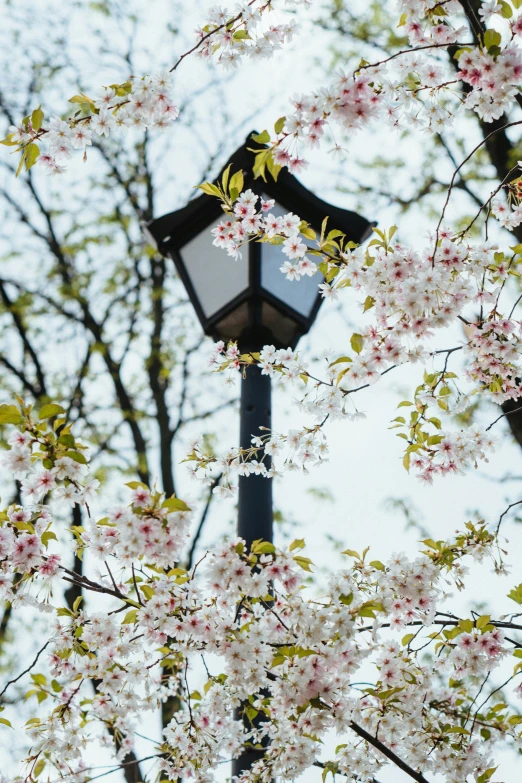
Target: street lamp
(250,301)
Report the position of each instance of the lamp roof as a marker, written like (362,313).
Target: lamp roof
(175,229)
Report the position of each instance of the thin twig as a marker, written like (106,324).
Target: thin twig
(19,677)
(508,413)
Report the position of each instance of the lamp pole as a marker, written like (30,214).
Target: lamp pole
(255,512)
(254,305)
(255,515)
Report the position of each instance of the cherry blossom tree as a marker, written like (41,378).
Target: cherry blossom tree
(253,654)
(131,353)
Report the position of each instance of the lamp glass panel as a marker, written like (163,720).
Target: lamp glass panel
(217,278)
(298,294)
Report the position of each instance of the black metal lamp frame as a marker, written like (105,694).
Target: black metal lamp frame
(174,230)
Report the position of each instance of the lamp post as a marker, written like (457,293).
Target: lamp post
(250,301)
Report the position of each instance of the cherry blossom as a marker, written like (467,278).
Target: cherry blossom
(275,648)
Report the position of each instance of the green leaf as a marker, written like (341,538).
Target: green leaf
(487,775)
(260,547)
(147,591)
(130,617)
(407,639)
(9,414)
(48,411)
(377,564)
(48,536)
(82,100)
(333,234)
(368,303)
(175,504)
(297,544)
(351,553)
(492,38)
(357,342)
(279,124)
(77,602)
(37,118)
(516,594)
(251,713)
(76,456)
(136,485)
(5,722)
(260,163)
(273,167)
(308,232)
(237,182)
(303,562)
(39,768)
(226,175)
(240,35)
(8,141)
(63,611)
(67,440)
(507,11)
(456,730)
(39,679)
(21,163)
(261,138)
(209,189)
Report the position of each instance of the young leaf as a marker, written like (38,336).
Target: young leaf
(8,141)
(261,138)
(226,175)
(175,504)
(50,410)
(209,189)
(279,124)
(9,414)
(357,341)
(21,163)
(237,181)
(37,118)
(352,553)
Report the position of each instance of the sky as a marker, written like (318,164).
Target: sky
(365,468)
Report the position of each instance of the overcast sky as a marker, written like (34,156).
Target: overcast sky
(365,468)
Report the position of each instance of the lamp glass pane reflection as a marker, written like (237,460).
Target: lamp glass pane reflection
(216,277)
(300,295)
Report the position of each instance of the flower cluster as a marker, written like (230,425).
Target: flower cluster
(247,223)
(290,661)
(416,87)
(150,527)
(144,103)
(247,31)
(425,26)
(495,348)
(410,296)
(495,79)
